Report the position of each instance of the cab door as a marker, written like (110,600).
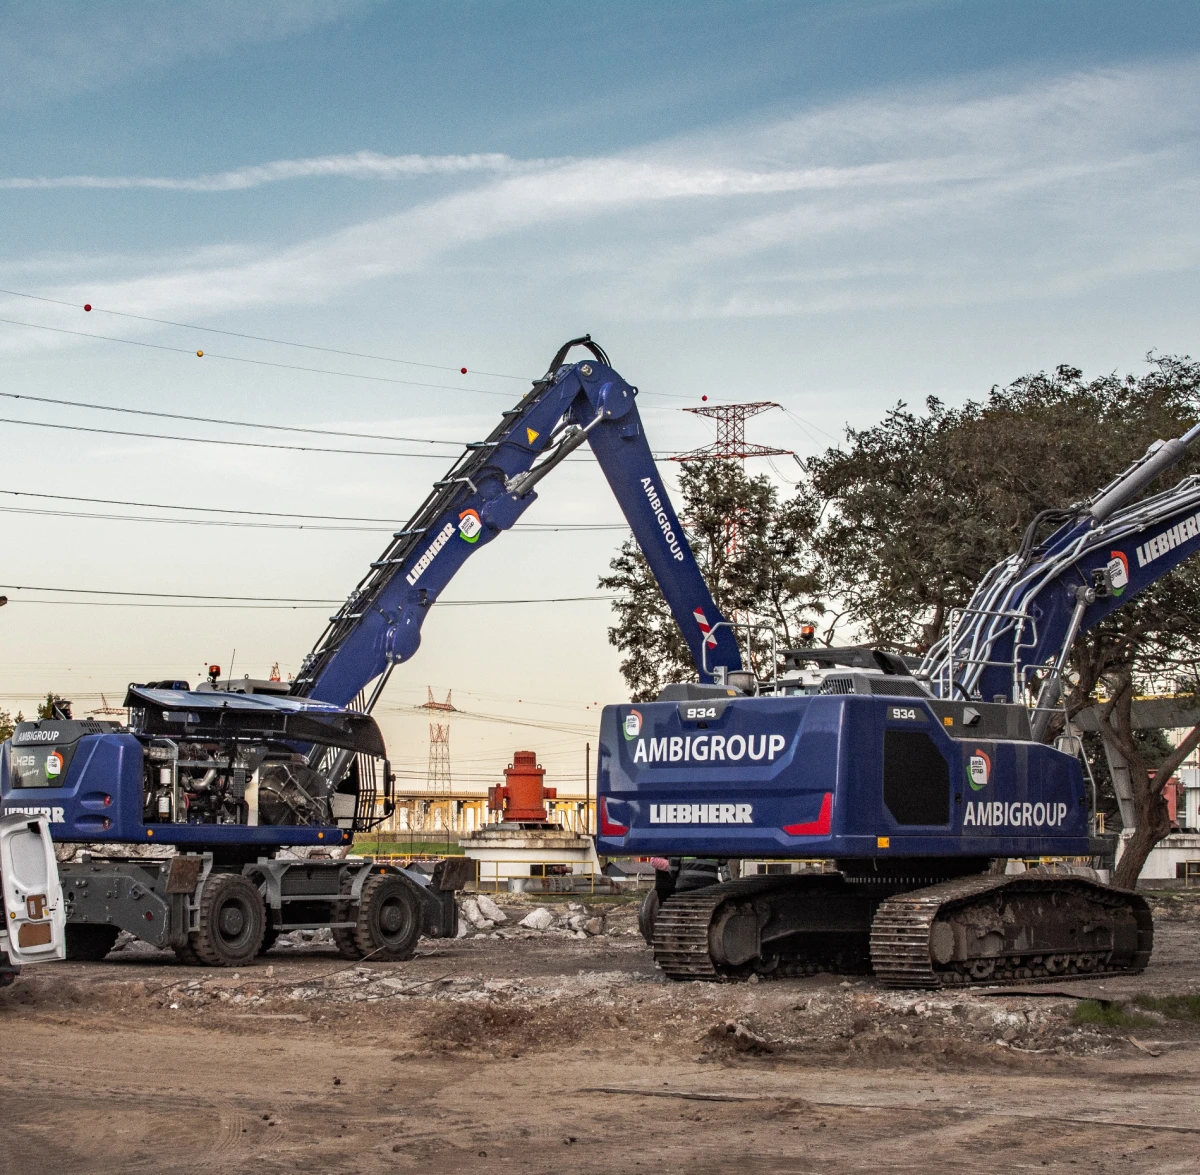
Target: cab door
(34,915)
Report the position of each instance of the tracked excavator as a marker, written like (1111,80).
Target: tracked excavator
(911,777)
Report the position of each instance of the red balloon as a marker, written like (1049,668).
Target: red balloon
(704,397)
(463,370)
(87,305)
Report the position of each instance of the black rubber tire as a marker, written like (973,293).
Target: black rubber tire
(647,912)
(89,943)
(270,934)
(389,918)
(186,954)
(230,922)
(344,940)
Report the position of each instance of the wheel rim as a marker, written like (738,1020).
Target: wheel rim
(234,923)
(394,920)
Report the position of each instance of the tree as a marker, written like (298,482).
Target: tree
(919,507)
(53,702)
(766,573)
(8,723)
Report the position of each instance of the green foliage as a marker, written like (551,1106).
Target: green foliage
(8,723)
(766,574)
(919,507)
(1174,1007)
(46,709)
(1107,1014)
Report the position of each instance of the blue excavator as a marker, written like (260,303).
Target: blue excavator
(228,778)
(912,778)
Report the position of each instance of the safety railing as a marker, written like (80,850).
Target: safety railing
(501,874)
(762,866)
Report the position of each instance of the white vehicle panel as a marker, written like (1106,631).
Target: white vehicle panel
(35,919)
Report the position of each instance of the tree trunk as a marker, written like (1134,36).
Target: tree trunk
(1152,825)
(1153,821)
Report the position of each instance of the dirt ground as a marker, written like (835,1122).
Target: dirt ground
(560,1051)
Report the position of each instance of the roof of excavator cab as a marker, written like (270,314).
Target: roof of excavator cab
(221,714)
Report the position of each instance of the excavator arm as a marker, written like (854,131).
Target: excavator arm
(1029,609)
(484,494)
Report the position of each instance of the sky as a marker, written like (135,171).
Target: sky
(830,205)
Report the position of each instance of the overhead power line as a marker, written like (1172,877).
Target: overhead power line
(157,436)
(325,432)
(213,330)
(240,524)
(313,601)
(280,342)
(386,379)
(223,522)
(388,523)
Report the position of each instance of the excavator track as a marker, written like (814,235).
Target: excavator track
(986,929)
(684,925)
(1008,930)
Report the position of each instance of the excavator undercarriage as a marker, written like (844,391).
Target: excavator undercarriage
(981,929)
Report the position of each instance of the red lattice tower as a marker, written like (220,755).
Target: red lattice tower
(731,445)
(731,433)
(437,779)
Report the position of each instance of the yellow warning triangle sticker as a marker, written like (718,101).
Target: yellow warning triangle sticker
(532,435)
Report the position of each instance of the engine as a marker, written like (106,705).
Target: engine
(198,782)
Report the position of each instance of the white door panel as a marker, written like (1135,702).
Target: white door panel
(34,914)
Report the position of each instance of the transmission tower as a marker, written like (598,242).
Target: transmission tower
(731,433)
(731,445)
(437,779)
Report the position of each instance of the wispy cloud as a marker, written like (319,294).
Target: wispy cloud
(51,49)
(359,165)
(1016,181)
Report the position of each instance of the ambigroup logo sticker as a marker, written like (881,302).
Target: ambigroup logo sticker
(54,765)
(632,725)
(1118,572)
(469,526)
(979,770)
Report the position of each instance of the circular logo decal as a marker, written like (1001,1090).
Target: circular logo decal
(469,526)
(54,765)
(979,769)
(633,725)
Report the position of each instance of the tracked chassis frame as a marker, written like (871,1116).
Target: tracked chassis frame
(983,929)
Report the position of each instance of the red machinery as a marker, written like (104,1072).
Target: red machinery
(523,797)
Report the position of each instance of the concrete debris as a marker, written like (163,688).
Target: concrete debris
(743,1039)
(473,911)
(594,926)
(300,938)
(463,928)
(577,921)
(539,919)
(489,909)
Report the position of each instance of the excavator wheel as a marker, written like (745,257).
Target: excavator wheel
(89,943)
(347,945)
(230,922)
(186,953)
(389,918)
(647,912)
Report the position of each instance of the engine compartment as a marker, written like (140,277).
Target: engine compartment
(191,781)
